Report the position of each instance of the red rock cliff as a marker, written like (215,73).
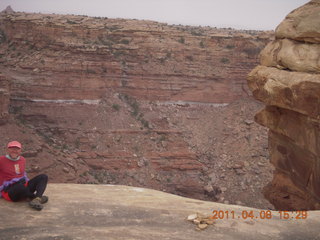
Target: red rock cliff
(77,57)
(104,101)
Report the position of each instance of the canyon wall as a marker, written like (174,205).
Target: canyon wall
(288,82)
(60,57)
(139,103)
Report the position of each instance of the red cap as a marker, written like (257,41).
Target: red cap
(14,144)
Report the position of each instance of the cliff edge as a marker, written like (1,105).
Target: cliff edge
(121,212)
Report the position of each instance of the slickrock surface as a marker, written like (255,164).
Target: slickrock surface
(120,212)
(288,82)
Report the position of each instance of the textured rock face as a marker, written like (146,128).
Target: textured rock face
(288,82)
(76,57)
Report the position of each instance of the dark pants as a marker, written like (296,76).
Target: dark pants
(34,188)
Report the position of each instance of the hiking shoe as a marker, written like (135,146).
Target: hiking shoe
(36,204)
(44,199)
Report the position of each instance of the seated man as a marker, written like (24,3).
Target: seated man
(14,183)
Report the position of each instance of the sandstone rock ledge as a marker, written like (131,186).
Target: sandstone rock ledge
(121,212)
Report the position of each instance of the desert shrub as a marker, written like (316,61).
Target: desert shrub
(3,36)
(124,41)
(71,22)
(116,107)
(113,28)
(189,58)
(15,109)
(196,33)
(181,40)
(230,46)
(224,60)
(91,71)
(135,110)
(118,53)
(252,51)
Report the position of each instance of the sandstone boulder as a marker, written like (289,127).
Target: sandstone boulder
(291,55)
(302,24)
(296,91)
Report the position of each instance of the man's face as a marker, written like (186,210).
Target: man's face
(14,152)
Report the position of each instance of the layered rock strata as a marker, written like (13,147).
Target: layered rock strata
(97,100)
(77,57)
(288,82)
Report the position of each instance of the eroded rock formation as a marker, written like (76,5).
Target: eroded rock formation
(288,82)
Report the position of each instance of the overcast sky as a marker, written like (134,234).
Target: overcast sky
(239,14)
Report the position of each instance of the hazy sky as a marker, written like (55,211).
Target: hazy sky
(239,14)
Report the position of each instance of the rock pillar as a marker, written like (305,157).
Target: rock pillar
(288,82)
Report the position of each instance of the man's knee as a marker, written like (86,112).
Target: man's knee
(43,177)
